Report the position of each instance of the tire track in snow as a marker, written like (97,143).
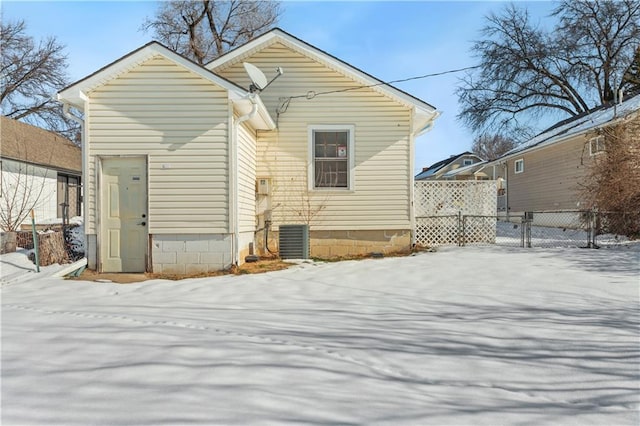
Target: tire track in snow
(330,352)
(384,371)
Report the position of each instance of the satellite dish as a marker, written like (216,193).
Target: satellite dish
(258,79)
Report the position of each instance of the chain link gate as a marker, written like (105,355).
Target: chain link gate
(464,212)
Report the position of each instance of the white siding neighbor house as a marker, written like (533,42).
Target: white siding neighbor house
(188,170)
(41,170)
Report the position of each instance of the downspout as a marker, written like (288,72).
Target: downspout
(413,134)
(412,213)
(233,176)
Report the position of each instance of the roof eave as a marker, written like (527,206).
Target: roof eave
(559,138)
(73,94)
(262,120)
(325,58)
(423,121)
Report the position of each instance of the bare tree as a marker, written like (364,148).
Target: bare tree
(490,147)
(205,29)
(31,73)
(527,71)
(631,78)
(612,183)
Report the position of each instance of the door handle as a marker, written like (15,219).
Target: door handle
(142,223)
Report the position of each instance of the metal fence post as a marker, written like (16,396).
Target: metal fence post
(590,228)
(527,220)
(593,214)
(460,229)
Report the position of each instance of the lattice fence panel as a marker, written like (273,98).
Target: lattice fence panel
(440,205)
(437,230)
(479,229)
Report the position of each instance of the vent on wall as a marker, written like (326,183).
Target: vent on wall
(293,241)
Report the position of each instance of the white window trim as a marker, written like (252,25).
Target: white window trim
(515,166)
(350,150)
(595,140)
(467,162)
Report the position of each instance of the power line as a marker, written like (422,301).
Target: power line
(284,102)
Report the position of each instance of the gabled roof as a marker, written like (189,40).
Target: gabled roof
(472,169)
(424,112)
(75,94)
(30,144)
(596,118)
(435,167)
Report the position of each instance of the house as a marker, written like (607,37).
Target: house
(465,166)
(190,168)
(544,174)
(41,170)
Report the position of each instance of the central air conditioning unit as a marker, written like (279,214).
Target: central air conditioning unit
(293,241)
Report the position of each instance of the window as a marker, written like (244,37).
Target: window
(596,145)
(519,166)
(68,195)
(467,162)
(331,157)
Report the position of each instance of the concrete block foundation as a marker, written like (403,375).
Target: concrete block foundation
(333,244)
(190,254)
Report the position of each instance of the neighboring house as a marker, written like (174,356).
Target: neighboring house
(41,170)
(545,173)
(186,171)
(465,166)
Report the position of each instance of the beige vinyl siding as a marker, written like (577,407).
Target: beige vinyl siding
(180,122)
(246,179)
(381,193)
(551,177)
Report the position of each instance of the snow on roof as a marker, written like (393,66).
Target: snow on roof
(582,124)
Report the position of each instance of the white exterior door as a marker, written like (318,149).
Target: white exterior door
(123,217)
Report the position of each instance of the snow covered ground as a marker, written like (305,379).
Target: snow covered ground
(473,335)
(16,268)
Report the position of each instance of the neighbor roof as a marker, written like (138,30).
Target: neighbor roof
(472,169)
(435,167)
(596,118)
(425,111)
(31,144)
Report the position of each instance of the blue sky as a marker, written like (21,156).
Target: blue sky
(390,40)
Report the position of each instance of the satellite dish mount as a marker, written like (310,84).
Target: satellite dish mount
(258,79)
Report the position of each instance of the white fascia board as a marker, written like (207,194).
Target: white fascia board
(71,94)
(75,94)
(238,53)
(316,54)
